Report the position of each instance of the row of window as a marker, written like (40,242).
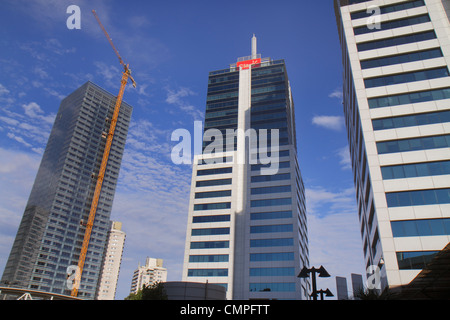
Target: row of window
(416,170)
(421,228)
(210,244)
(406,77)
(395,41)
(210,183)
(415,260)
(268,190)
(401,58)
(412,120)
(207,272)
(212,194)
(393,24)
(413,144)
(271,215)
(405,5)
(270,202)
(274,177)
(271,228)
(209,258)
(210,231)
(272,272)
(207,219)
(212,206)
(279,242)
(274,256)
(418,198)
(272,287)
(406,98)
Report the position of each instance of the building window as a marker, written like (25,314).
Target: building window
(411,120)
(209,258)
(274,189)
(272,272)
(272,287)
(270,202)
(271,228)
(421,228)
(282,242)
(418,197)
(210,231)
(277,256)
(275,177)
(212,194)
(414,260)
(207,272)
(407,98)
(271,215)
(217,218)
(406,77)
(212,206)
(393,24)
(214,171)
(395,41)
(389,8)
(210,245)
(401,58)
(210,183)
(413,144)
(416,170)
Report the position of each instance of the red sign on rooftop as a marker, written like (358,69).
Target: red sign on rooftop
(248,63)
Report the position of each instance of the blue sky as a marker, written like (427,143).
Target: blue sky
(171,46)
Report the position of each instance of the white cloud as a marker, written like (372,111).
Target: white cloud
(345,160)
(175,97)
(337,93)
(321,201)
(3,90)
(329,122)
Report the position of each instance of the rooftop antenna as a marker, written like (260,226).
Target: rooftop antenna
(254,51)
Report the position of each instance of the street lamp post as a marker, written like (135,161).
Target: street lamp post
(304,273)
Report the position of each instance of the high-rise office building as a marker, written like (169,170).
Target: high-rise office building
(247,218)
(112,259)
(152,273)
(396,83)
(51,232)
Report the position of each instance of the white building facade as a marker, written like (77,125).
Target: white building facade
(247,226)
(112,260)
(396,85)
(151,273)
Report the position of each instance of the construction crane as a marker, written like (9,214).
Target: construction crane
(98,187)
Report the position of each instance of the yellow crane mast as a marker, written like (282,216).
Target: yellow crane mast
(98,187)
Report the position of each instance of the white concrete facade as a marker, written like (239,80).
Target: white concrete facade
(112,260)
(381,248)
(151,273)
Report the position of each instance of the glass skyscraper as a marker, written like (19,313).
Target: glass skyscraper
(396,83)
(247,217)
(51,232)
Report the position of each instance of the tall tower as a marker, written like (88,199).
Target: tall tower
(395,57)
(247,218)
(51,232)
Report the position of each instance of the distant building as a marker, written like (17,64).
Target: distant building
(151,273)
(341,287)
(111,262)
